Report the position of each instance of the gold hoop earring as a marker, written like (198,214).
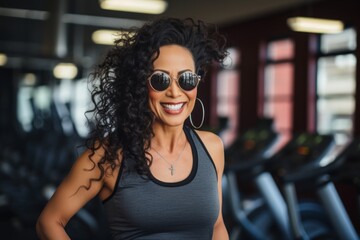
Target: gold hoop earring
(203,115)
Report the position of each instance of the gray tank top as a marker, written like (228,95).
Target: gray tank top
(146,208)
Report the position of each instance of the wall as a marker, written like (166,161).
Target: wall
(250,37)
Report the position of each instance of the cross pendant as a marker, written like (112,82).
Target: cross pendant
(172,170)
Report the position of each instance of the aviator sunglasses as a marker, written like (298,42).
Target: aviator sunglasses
(187,81)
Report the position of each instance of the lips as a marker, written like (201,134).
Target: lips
(173,108)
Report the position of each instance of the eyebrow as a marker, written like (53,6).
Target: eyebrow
(167,72)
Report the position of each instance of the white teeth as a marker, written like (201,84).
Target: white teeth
(173,107)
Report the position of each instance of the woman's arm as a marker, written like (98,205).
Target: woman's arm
(215,148)
(69,198)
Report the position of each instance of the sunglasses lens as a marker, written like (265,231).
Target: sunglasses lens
(188,81)
(160,81)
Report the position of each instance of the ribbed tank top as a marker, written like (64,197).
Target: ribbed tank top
(146,208)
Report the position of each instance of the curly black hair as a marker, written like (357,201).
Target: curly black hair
(122,115)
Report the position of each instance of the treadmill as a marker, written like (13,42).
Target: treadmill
(307,162)
(248,217)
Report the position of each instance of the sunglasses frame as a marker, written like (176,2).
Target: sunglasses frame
(176,80)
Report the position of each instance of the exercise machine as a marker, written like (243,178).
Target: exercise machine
(306,162)
(259,217)
(349,171)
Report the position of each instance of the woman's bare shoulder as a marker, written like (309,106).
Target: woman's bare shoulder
(210,139)
(214,146)
(90,166)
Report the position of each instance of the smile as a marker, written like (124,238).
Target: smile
(172,107)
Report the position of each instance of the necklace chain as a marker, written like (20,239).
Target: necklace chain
(171,168)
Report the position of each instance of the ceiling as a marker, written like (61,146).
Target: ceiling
(34,38)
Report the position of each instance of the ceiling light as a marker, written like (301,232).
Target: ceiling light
(65,71)
(139,6)
(315,25)
(3,59)
(106,37)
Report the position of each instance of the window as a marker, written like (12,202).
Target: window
(81,103)
(336,85)
(75,93)
(278,86)
(33,102)
(227,95)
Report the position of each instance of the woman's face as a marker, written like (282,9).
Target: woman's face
(173,105)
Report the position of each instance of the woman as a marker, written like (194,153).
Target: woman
(157,178)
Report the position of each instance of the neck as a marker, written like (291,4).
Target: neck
(168,138)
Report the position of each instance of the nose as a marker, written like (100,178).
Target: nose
(173,90)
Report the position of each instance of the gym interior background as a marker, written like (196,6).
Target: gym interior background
(305,82)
